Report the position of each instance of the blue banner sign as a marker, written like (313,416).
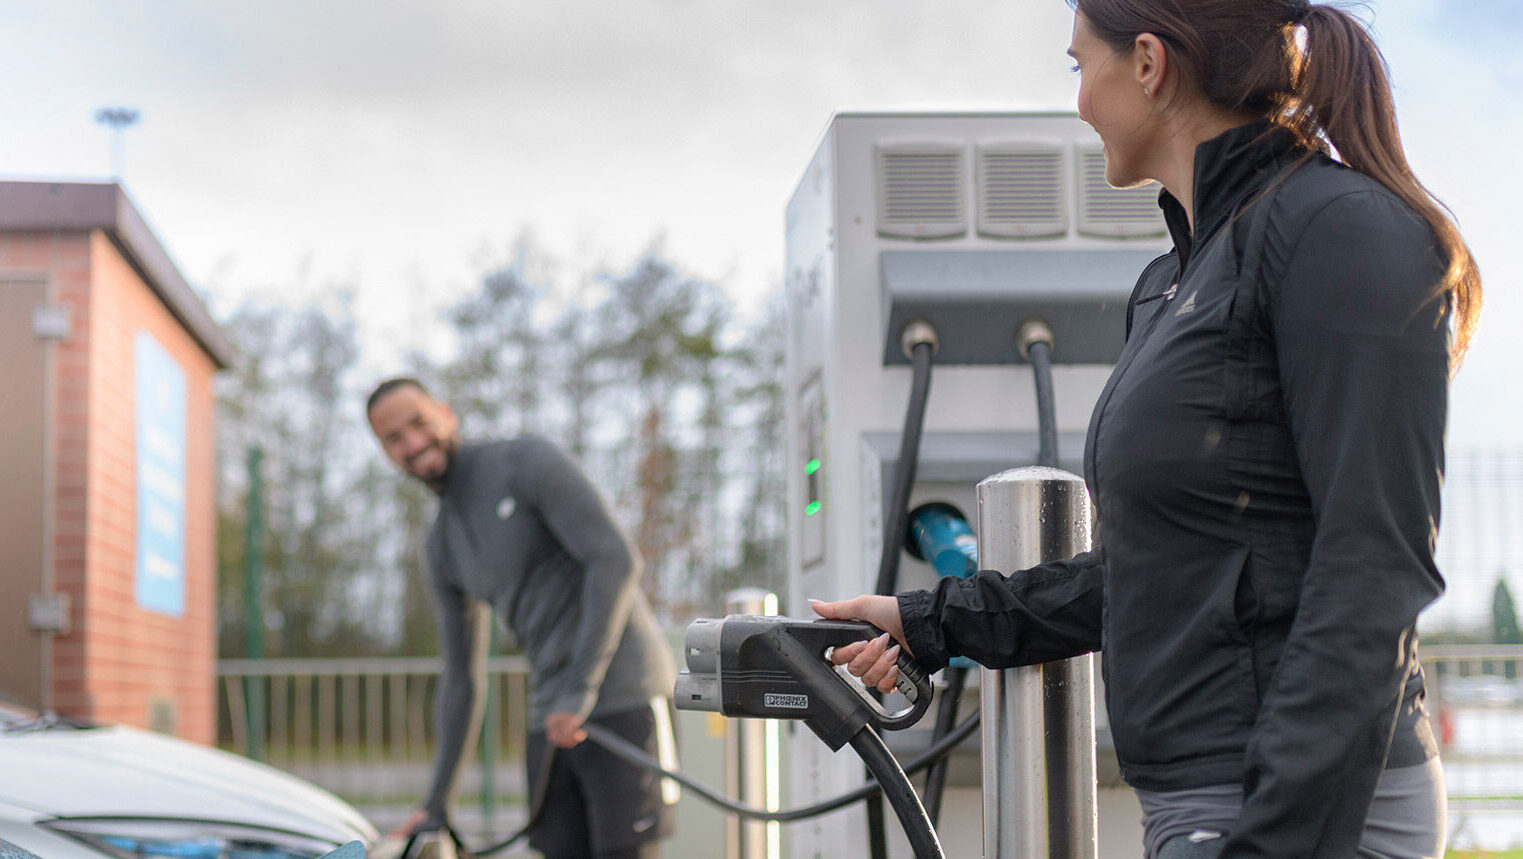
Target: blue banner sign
(160,407)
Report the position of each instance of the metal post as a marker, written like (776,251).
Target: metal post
(253,604)
(491,733)
(751,757)
(1038,722)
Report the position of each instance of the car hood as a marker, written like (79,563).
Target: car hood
(125,772)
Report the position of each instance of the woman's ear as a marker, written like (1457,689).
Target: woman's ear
(1150,63)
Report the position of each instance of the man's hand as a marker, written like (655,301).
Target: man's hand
(564,729)
(413,821)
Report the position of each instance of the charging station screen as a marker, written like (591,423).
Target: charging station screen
(160,446)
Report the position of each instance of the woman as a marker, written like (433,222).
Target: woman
(1267,455)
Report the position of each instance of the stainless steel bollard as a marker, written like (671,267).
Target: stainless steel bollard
(1039,721)
(751,757)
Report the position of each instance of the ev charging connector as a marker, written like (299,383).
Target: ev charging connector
(778,668)
(940,535)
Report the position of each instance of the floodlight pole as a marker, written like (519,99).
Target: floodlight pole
(118,119)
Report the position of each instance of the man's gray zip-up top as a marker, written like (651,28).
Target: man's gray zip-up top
(1265,461)
(521,529)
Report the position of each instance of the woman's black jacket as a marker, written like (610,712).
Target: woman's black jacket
(1265,461)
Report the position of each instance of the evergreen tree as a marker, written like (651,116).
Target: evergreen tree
(1504,616)
(1504,622)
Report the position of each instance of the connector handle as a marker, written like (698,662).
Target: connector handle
(913,683)
(915,686)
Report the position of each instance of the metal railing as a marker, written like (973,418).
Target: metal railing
(364,728)
(1475,699)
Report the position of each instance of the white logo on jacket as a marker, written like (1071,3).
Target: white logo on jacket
(505,508)
(1188,306)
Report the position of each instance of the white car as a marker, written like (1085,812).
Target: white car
(69,791)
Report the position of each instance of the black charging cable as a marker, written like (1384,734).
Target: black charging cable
(415,840)
(946,716)
(901,794)
(633,754)
(919,343)
(536,808)
(1036,346)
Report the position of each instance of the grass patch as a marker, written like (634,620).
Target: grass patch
(1511,853)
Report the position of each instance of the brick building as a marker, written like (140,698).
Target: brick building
(108,532)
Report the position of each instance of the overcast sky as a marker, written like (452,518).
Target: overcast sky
(304,143)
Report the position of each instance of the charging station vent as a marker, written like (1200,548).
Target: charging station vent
(1020,190)
(1114,212)
(922,190)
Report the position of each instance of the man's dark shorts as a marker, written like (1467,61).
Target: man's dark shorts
(596,803)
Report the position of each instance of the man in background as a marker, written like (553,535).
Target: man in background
(522,530)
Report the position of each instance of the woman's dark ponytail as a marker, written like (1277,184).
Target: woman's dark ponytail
(1341,94)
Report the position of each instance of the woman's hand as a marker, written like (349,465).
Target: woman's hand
(872,660)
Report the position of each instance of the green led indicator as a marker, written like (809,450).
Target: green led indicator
(813,508)
(812,466)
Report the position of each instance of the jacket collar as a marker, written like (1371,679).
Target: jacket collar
(453,479)
(1228,167)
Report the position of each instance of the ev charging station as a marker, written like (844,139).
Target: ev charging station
(977,224)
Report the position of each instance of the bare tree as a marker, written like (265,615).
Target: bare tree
(291,396)
(757,444)
(495,378)
(660,333)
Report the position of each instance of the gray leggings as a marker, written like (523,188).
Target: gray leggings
(1407,820)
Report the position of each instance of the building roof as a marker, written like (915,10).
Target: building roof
(105,206)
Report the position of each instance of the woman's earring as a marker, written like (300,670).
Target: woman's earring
(1147,92)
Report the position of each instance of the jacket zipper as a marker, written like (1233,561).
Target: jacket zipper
(1115,382)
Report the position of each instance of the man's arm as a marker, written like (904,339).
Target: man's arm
(570,506)
(462,644)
